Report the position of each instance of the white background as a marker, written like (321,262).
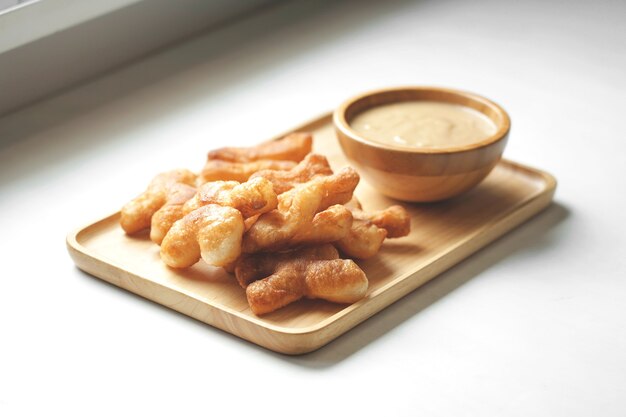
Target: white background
(535,324)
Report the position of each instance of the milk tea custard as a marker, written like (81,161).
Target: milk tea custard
(423,124)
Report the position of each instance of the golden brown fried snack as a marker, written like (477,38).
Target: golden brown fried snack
(327,226)
(369,230)
(363,240)
(137,214)
(250,221)
(218,170)
(171,211)
(310,167)
(395,220)
(337,280)
(292,147)
(249,268)
(338,188)
(297,208)
(212,232)
(251,198)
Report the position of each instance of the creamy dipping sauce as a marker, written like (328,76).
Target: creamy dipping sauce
(423,124)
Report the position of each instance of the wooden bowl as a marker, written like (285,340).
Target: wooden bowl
(421,174)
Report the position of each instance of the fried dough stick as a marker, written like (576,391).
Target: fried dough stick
(171,211)
(297,209)
(137,214)
(251,198)
(212,232)
(369,230)
(218,170)
(250,268)
(328,225)
(337,280)
(293,147)
(395,220)
(310,167)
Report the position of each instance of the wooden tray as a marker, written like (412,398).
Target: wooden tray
(442,235)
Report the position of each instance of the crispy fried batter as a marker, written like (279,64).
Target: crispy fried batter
(292,147)
(249,268)
(218,170)
(338,188)
(363,240)
(329,225)
(369,230)
(136,215)
(250,221)
(310,167)
(251,198)
(171,211)
(395,220)
(212,232)
(337,280)
(297,208)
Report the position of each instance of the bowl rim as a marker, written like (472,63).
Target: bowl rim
(340,122)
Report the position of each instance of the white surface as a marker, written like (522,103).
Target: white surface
(532,325)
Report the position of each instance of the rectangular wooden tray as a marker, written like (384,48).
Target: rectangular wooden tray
(442,235)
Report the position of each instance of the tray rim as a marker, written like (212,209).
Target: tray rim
(80,252)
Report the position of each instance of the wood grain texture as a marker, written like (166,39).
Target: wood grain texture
(421,174)
(442,235)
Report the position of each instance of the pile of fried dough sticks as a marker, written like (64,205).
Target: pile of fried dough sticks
(275,215)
